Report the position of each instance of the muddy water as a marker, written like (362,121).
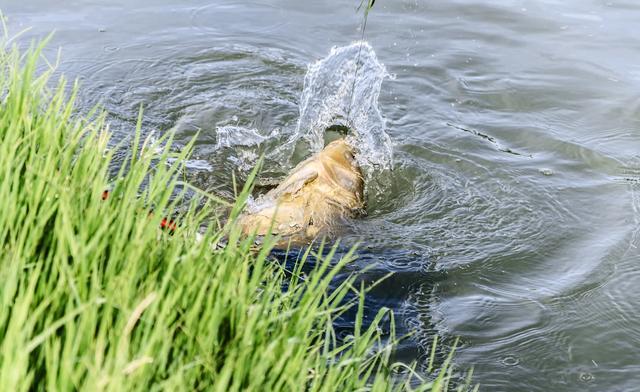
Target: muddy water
(510,208)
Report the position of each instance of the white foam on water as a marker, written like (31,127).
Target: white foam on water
(243,142)
(233,136)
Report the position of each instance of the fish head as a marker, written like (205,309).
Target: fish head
(341,152)
(341,171)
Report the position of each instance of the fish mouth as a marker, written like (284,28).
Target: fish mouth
(339,128)
(335,132)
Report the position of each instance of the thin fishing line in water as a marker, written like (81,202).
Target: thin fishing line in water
(490,139)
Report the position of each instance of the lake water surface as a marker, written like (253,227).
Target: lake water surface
(510,210)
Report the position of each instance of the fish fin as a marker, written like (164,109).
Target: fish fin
(297,181)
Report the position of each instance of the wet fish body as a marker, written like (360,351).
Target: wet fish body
(312,200)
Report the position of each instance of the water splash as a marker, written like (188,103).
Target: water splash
(233,136)
(334,93)
(331,96)
(245,144)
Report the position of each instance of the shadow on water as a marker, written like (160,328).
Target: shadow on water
(369,269)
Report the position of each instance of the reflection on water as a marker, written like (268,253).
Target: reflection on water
(511,213)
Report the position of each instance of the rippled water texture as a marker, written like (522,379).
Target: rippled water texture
(500,138)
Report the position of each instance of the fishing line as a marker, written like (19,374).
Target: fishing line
(355,76)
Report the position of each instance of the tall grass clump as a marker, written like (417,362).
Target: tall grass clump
(95,296)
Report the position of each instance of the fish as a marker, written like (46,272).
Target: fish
(312,201)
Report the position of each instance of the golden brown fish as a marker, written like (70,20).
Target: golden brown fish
(312,199)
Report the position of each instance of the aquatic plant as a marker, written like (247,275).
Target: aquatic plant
(95,296)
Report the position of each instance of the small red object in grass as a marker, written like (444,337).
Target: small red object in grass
(168,224)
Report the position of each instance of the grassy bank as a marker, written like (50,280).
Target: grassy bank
(95,296)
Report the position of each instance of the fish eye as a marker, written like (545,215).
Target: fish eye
(349,156)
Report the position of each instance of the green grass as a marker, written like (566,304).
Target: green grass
(94,296)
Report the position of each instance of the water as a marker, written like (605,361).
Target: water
(507,202)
